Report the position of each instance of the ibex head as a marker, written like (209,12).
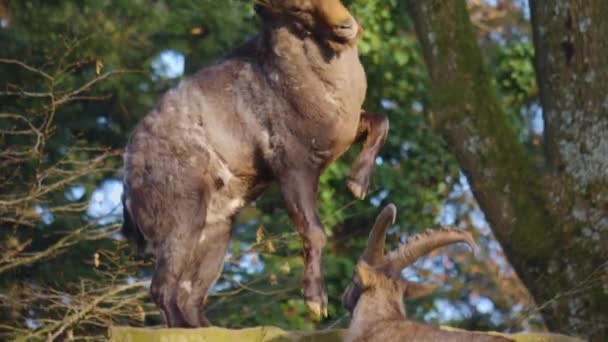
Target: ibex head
(378,270)
(327,20)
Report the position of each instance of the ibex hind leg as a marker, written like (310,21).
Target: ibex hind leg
(201,270)
(174,260)
(161,225)
(176,250)
(163,291)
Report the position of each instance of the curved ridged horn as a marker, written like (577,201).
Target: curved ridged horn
(374,252)
(422,244)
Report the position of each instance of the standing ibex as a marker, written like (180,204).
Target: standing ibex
(375,296)
(280,108)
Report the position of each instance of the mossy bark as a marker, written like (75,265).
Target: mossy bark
(531,209)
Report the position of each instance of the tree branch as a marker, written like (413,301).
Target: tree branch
(27,67)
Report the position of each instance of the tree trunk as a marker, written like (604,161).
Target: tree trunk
(551,220)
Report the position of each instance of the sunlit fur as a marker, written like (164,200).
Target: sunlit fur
(375,297)
(328,20)
(380,314)
(278,109)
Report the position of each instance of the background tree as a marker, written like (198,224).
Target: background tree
(550,213)
(75,76)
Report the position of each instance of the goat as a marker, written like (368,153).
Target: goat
(375,296)
(279,108)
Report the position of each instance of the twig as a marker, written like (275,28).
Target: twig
(72,95)
(59,246)
(27,67)
(55,330)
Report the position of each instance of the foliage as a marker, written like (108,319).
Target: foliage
(77,76)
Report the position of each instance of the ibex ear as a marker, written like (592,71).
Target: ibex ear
(416,290)
(367,276)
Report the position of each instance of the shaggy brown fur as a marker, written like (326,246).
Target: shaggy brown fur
(280,108)
(376,294)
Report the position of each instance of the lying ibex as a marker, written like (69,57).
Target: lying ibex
(280,108)
(375,296)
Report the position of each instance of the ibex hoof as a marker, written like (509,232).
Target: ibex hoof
(317,310)
(359,191)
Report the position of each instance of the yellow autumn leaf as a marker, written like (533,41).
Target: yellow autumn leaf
(259,234)
(285,268)
(141,314)
(270,247)
(98,67)
(273,280)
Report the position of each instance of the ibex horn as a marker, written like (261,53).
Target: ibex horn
(374,252)
(422,244)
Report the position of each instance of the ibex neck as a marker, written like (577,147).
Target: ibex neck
(297,56)
(315,80)
(376,306)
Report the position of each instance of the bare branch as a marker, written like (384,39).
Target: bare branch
(71,96)
(52,331)
(92,166)
(27,67)
(75,237)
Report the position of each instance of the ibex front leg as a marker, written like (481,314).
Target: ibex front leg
(373,129)
(299,190)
